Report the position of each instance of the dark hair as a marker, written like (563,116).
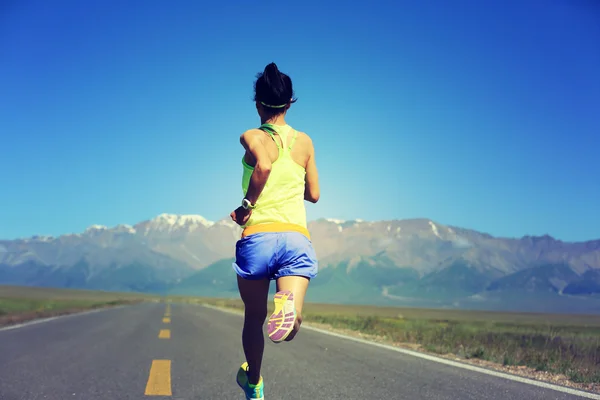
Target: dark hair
(273,88)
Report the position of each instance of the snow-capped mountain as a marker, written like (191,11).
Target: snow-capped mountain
(427,246)
(190,239)
(169,223)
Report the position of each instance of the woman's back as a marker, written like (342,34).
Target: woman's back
(282,199)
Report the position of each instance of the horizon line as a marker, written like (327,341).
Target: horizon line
(227,222)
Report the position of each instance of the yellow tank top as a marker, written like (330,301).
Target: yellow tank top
(280,206)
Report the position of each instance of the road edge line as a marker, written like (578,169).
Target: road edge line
(499,374)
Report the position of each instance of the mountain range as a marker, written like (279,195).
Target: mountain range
(413,262)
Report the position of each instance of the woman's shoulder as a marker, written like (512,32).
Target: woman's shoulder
(302,135)
(305,140)
(251,135)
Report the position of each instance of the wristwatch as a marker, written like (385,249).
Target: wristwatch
(247,205)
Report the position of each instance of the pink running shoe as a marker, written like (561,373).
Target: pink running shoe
(282,321)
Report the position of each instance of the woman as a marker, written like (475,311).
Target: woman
(279,173)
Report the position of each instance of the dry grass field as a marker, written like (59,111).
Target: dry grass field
(19,304)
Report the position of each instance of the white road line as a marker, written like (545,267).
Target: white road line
(42,320)
(429,357)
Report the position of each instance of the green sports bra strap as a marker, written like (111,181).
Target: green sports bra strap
(267,128)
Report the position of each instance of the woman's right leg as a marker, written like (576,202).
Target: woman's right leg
(298,286)
(297,266)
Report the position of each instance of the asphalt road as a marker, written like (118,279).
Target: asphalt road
(135,353)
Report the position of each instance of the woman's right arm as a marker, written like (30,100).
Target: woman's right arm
(311,187)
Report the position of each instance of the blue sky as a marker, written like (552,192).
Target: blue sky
(480,114)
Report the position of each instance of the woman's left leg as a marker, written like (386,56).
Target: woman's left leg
(254,294)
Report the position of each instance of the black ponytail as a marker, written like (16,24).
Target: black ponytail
(273,89)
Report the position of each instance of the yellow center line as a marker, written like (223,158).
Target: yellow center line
(166,320)
(164,334)
(159,380)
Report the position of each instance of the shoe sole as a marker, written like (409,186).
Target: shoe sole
(244,367)
(281,322)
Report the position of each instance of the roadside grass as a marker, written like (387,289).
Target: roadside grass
(570,350)
(21,304)
(560,344)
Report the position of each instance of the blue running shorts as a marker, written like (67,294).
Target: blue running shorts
(275,254)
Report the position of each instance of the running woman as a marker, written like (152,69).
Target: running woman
(279,173)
